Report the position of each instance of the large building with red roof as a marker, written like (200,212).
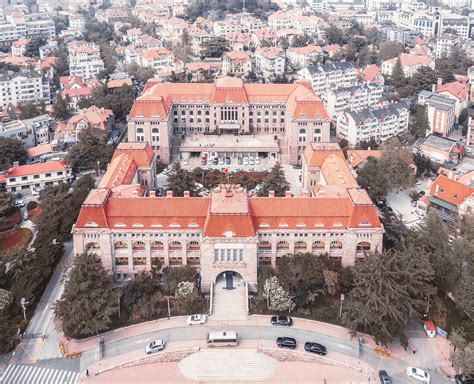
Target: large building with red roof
(290,114)
(226,231)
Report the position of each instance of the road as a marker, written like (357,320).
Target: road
(31,350)
(393,365)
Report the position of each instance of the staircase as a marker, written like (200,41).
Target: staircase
(244,365)
(229,304)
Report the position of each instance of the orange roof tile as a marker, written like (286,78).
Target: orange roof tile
(238,225)
(458,90)
(316,153)
(39,150)
(34,169)
(358,156)
(141,153)
(336,172)
(450,190)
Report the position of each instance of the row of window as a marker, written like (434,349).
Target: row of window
(228,254)
(25,178)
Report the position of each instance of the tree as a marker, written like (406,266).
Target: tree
(331,281)
(214,47)
(141,74)
(141,297)
(11,150)
(173,276)
(390,49)
(119,100)
(61,109)
(301,41)
(277,298)
(92,147)
(180,180)
(373,178)
(7,203)
(422,125)
(397,77)
(32,48)
(423,79)
(29,110)
(423,164)
(187,298)
(462,356)
(275,182)
(395,163)
(389,289)
(89,301)
(334,35)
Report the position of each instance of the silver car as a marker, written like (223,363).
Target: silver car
(155,346)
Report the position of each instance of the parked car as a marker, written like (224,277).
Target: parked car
(257,160)
(384,378)
(228,161)
(282,320)
(197,319)
(17,195)
(215,161)
(20,203)
(240,161)
(418,374)
(155,346)
(464,379)
(286,342)
(252,161)
(421,193)
(315,348)
(221,161)
(246,161)
(297,166)
(35,191)
(203,161)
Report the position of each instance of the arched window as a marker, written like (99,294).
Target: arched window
(363,246)
(318,245)
(120,245)
(92,247)
(157,245)
(175,246)
(154,130)
(194,246)
(264,245)
(139,130)
(335,244)
(283,245)
(138,245)
(301,246)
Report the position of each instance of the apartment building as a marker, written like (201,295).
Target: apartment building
(441,112)
(410,64)
(146,43)
(445,44)
(302,57)
(159,59)
(470,134)
(379,124)
(329,76)
(24,86)
(19,47)
(226,231)
(30,132)
(22,177)
(270,62)
(353,98)
(84,59)
(237,63)
(27,26)
(455,90)
(274,120)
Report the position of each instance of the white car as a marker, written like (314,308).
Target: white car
(155,346)
(418,374)
(197,319)
(20,203)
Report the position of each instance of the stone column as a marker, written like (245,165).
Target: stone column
(273,254)
(292,247)
(184,251)
(130,256)
(166,253)
(148,255)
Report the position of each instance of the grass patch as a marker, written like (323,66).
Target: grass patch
(18,237)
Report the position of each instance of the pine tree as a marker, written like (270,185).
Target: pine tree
(275,182)
(389,289)
(180,180)
(89,301)
(61,109)
(398,76)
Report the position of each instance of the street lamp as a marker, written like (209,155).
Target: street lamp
(169,310)
(23,304)
(342,300)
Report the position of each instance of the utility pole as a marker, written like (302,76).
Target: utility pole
(169,309)
(23,304)
(98,168)
(118,301)
(342,300)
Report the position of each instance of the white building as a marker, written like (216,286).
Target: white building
(24,86)
(30,132)
(301,57)
(379,124)
(353,98)
(27,26)
(84,59)
(160,59)
(270,62)
(329,76)
(410,64)
(445,44)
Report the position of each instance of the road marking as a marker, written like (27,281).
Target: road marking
(47,306)
(344,346)
(141,341)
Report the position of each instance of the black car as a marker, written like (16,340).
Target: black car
(315,348)
(286,342)
(384,378)
(282,320)
(464,379)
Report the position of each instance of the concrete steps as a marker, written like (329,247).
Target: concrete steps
(228,365)
(229,304)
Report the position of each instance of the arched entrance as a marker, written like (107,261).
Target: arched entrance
(229,280)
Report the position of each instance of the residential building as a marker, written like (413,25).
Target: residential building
(441,149)
(226,231)
(21,177)
(197,37)
(445,44)
(47,49)
(353,98)
(410,64)
(24,86)
(76,89)
(470,134)
(27,26)
(378,123)
(237,63)
(283,118)
(457,91)
(301,57)
(372,74)
(270,62)
(441,112)
(19,47)
(146,43)
(329,76)
(160,59)
(84,59)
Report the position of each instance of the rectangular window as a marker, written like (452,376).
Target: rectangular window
(48,175)
(241,255)
(216,255)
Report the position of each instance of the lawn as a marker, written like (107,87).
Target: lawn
(18,237)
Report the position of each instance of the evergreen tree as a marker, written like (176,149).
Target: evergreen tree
(389,289)
(422,126)
(11,150)
(373,178)
(141,297)
(398,76)
(61,109)
(89,301)
(276,182)
(180,180)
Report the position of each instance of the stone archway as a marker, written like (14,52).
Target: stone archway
(229,280)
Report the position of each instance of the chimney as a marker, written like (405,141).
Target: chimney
(271,193)
(440,81)
(288,193)
(433,87)
(186,194)
(152,194)
(169,193)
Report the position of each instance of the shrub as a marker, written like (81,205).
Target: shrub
(31,205)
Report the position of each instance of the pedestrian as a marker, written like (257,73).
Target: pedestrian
(414,350)
(324,381)
(87,373)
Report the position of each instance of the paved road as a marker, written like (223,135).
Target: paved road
(30,350)
(394,366)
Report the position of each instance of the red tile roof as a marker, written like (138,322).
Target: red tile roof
(455,88)
(450,190)
(34,169)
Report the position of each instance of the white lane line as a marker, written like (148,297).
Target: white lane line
(344,346)
(141,341)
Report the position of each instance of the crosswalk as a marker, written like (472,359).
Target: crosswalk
(30,374)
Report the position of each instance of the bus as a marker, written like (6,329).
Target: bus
(222,339)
